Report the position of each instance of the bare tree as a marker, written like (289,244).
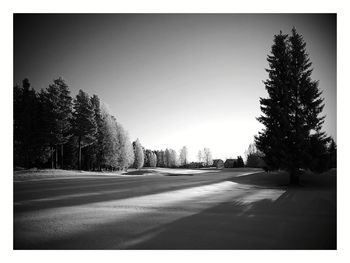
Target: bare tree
(207,157)
(173,158)
(200,156)
(183,156)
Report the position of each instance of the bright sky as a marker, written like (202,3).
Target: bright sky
(173,80)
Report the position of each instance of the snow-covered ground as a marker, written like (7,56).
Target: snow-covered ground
(134,215)
(227,209)
(39,174)
(33,174)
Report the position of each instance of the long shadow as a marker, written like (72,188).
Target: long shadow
(154,172)
(93,190)
(302,218)
(101,190)
(179,174)
(114,190)
(182,234)
(102,194)
(277,179)
(141,172)
(297,220)
(263,225)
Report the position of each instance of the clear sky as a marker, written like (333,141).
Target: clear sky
(173,80)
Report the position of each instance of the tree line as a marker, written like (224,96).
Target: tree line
(54,130)
(51,129)
(169,158)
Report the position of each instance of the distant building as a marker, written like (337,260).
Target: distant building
(218,163)
(230,163)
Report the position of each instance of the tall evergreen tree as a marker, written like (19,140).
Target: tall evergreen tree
(332,151)
(146,157)
(272,140)
(84,123)
(49,99)
(96,147)
(240,162)
(26,125)
(291,112)
(63,114)
(56,114)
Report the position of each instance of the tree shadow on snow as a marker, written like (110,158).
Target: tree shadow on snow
(283,224)
(277,179)
(296,220)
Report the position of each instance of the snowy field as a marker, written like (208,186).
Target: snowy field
(215,209)
(33,174)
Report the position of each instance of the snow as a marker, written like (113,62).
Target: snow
(47,174)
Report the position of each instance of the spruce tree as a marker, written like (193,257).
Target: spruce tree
(84,123)
(26,125)
(332,151)
(96,147)
(145,157)
(291,112)
(56,116)
(64,115)
(240,162)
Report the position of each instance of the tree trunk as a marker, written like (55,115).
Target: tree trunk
(294,177)
(62,156)
(52,151)
(79,159)
(26,158)
(56,157)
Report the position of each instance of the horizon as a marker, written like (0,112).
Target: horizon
(202,74)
